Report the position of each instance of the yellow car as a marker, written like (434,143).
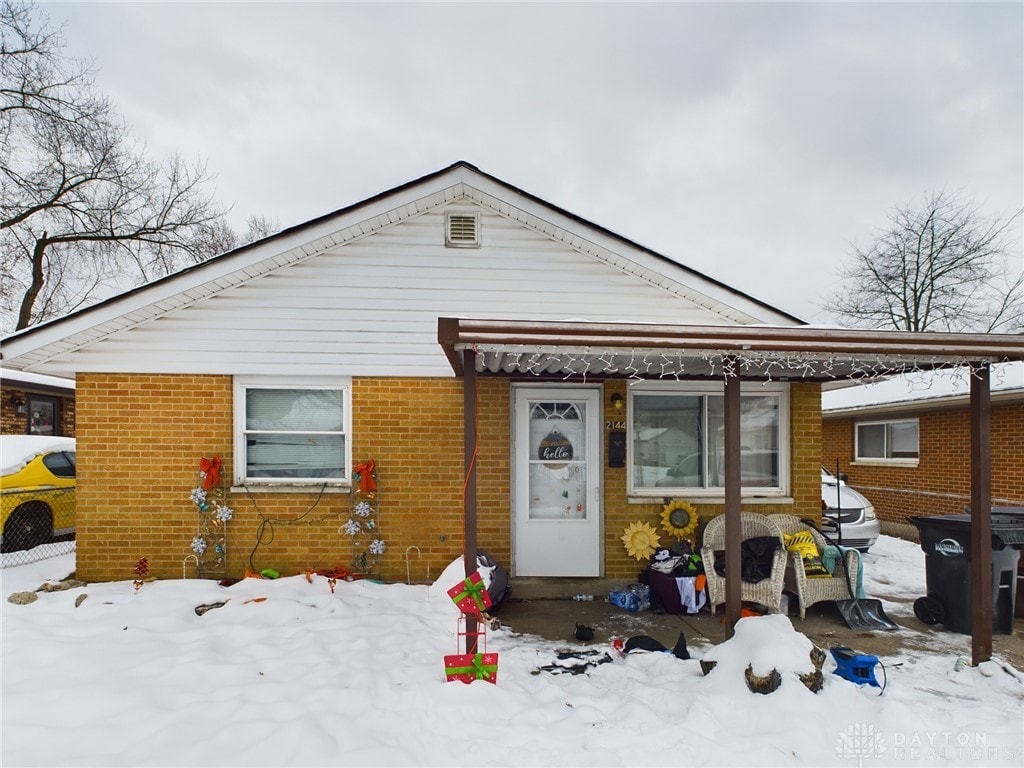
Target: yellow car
(37,490)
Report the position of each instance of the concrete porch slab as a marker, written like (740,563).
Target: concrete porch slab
(555,619)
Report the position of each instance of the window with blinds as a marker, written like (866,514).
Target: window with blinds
(292,434)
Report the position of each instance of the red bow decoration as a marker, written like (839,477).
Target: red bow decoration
(365,471)
(211,469)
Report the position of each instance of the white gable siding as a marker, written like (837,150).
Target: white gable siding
(370,307)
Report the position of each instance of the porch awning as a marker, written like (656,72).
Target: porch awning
(637,350)
(579,349)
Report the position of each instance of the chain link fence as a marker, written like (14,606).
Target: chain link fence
(37,525)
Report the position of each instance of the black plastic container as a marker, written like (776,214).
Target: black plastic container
(946,541)
(1018,514)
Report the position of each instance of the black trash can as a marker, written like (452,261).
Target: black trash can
(946,541)
(1018,514)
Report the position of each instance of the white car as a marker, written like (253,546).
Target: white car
(847,517)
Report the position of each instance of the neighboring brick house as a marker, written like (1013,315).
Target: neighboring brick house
(33,404)
(301,357)
(905,443)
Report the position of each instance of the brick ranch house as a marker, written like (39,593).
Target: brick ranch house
(351,338)
(341,314)
(905,443)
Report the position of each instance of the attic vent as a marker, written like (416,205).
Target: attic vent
(463,230)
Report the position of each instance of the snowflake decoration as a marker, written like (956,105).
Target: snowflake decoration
(363,509)
(376,547)
(352,527)
(198,545)
(198,497)
(223,514)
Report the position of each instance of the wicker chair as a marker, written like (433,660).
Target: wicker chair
(767,592)
(811,590)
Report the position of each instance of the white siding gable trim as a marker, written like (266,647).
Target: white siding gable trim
(461,183)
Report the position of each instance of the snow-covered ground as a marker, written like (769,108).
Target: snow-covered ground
(289,673)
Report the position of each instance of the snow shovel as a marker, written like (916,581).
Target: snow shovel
(858,613)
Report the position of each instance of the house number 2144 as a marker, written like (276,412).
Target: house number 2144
(615,425)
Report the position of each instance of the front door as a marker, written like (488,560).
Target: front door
(557,470)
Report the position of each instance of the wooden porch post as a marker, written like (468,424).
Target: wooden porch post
(733,532)
(981,516)
(469,481)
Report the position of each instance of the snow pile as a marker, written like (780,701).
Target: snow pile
(765,643)
(289,672)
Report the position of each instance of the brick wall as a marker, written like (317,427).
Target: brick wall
(141,438)
(412,428)
(941,482)
(617,513)
(805,438)
(139,442)
(10,422)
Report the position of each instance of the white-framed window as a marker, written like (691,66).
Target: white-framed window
(292,431)
(677,439)
(893,440)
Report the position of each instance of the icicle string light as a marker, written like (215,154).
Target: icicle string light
(679,365)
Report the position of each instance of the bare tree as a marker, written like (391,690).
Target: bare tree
(83,213)
(36,77)
(258,227)
(218,237)
(941,266)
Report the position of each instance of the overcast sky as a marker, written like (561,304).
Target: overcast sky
(752,142)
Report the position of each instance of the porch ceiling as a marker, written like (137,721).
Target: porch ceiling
(632,350)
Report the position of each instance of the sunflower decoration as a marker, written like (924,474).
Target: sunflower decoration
(679,519)
(640,540)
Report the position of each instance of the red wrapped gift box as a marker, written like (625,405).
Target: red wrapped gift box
(467,667)
(470,595)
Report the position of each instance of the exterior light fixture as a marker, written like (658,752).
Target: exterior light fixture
(19,406)
(617,401)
